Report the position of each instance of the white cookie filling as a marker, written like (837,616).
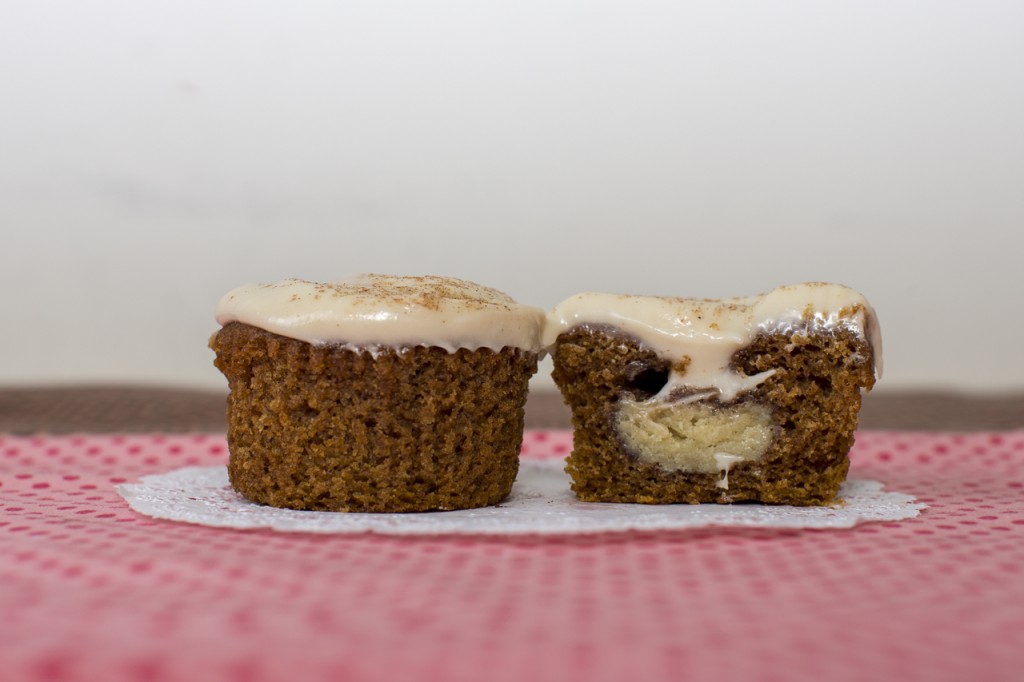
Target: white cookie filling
(695,437)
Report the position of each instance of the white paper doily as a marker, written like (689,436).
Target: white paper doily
(541,502)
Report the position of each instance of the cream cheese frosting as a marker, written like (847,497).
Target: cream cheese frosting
(369,311)
(707,332)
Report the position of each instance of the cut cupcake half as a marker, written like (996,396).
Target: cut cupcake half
(697,400)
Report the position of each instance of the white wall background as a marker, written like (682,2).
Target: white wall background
(155,155)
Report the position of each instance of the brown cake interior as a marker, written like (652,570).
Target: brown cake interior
(323,427)
(811,401)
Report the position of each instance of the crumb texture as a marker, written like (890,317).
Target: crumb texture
(808,405)
(322,427)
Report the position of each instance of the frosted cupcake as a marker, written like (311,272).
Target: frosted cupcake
(694,400)
(375,393)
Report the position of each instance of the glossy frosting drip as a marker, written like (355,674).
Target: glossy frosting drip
(701,335)
(373,311)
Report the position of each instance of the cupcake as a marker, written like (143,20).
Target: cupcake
(375,393)
(693,400)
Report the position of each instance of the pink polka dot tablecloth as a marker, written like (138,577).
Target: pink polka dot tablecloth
(91,590)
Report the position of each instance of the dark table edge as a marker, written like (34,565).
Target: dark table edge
(165,409)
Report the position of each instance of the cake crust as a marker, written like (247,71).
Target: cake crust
(325,427)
